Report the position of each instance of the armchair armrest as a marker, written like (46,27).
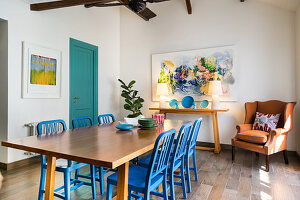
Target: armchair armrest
(243,127)
(278,131)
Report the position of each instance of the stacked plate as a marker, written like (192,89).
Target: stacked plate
(147,123)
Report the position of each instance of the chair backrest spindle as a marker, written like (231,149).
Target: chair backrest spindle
(194,134)
(160,155)
(82,122)
(106,119)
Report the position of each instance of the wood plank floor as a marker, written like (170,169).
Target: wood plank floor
(219,178)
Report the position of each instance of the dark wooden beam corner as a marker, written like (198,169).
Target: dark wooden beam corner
(62,4)
(189,6)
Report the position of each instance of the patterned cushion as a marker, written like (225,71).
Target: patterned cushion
(254,136)
(265,122)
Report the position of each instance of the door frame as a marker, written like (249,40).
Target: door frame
(73,43)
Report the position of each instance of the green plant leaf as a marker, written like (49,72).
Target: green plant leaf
(121,82)
(134,93)
(129,102)
(127,107)
(125,87)
(133,115)
(131,83)
(125,95)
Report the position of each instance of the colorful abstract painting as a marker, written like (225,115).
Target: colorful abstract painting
(42,70)
(189,72)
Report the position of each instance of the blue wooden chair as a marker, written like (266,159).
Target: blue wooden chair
(146,180)
(62,165)
(106,119)
(176,161)
(84,122)
(191,151)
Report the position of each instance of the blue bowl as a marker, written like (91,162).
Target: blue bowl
(173,103)
(204,104)
(124,127)
(187,101)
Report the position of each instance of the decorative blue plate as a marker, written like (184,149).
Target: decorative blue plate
(124,127)
(187,101)
(173,103)
(204,104)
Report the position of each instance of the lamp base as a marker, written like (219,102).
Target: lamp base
(162,104)
(215,104)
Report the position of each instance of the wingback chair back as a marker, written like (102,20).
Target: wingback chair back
(271,107)
(273,142)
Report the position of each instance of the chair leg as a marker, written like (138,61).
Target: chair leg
(233,153)
(165,188)
(42,183)
(67,178)
(129,195)
(172,191)
(286,160)
(195,165)
(188,176)
(183,180)
(101,177)
(93,180)
(76,175)
(109,191)
(267,162)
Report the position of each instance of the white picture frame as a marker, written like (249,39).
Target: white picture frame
(48,58)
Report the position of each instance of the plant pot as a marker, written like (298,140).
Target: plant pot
(133,121)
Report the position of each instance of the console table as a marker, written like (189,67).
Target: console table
(212,112)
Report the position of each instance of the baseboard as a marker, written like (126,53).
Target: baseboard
(20,163)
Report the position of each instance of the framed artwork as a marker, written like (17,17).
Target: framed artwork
(188,73)
(41,72)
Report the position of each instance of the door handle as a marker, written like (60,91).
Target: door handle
(76,98)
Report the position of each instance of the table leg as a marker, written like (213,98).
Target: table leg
(50,178)
(216,132)
(122,186)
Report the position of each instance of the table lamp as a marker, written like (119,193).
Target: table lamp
(163,92)
(215,89)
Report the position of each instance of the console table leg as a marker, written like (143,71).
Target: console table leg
(216,133)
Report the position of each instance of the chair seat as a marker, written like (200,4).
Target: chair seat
(254,136)
(63,164)
(137,178)
(144,162)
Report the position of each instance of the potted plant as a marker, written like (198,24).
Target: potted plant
(133,102)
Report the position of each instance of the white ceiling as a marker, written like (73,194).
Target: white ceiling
(285,4)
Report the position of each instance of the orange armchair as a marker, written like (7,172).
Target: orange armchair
(260,141)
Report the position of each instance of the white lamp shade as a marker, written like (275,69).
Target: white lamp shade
(162,89)
(215,88)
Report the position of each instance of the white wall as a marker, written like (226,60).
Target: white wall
(265,40)
(53,29)
(3,86)
(298,75)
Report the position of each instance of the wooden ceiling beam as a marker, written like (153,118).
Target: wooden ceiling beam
(189,6)
(62,4)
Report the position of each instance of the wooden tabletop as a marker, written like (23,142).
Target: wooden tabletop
(98,145)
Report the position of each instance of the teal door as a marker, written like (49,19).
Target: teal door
(83,80)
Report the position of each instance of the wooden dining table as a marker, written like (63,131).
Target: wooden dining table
(100,145)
